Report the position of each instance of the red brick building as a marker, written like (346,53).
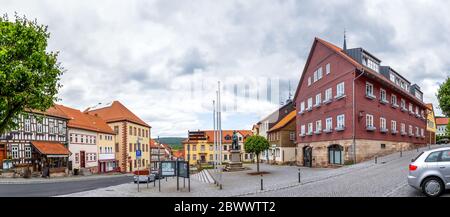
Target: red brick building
(346,100)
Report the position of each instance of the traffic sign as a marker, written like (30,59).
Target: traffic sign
(138,154)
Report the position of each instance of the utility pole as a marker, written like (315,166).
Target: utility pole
(215,144)
(220,132)
(159,165)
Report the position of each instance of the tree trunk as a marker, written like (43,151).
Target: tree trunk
(257,163)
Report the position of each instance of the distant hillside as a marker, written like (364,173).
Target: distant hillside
(174,142)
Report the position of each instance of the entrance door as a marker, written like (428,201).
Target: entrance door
(82,159)
(202,158)
(335,154)
(307,156)
(2,155)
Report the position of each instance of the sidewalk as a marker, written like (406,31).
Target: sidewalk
(59,179)
(242,184)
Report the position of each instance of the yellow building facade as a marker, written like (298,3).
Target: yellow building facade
(431,125)
(132,134)
(199,147)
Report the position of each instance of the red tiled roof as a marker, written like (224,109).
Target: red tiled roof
(283,122)
(441,121)
(116,112)
(53,111)
(50,148)
(210,135)
(178,153)
(84,121)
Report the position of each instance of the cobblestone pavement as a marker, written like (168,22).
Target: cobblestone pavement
(367,179)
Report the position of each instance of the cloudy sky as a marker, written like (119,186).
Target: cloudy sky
(163,58)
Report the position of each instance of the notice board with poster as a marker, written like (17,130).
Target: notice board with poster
(183,169)
(168,168)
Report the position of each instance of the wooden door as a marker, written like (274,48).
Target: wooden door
(82,159)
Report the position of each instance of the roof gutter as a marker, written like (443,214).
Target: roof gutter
(354,114)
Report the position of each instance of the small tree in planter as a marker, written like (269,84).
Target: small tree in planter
(256,144)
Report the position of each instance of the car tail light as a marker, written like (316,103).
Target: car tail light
(412,167)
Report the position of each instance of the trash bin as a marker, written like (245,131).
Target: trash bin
(75,172)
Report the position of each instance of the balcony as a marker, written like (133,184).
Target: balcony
(384,101)
(328,130)
(338,97)
(340,128)
(384,130)
(370,96)
(327,101)
(394,132)
(371,128)
(317,132)
(395,106)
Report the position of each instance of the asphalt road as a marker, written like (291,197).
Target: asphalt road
(60,188)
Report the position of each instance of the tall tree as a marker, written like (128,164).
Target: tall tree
(29,75)
(443,96)
(256,144)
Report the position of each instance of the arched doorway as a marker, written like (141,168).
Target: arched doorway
(335,154)
(307,156)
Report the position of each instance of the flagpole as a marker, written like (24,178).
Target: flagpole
(220,133)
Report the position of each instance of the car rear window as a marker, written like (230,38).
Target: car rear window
(433,157)
(414,159)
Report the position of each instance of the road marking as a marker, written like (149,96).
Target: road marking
(390,192)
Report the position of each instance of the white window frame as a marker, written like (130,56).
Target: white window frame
(309,81)
(369,90)
(383,95)
(340,121)
(302,130)
(329,123)
(318,99)
(302,106)
(310,103)
(369,121)
(393,125)
(328,68)
(328,94)
(394,100)
(340,90)
(318,126)
(383,123)
(310,128)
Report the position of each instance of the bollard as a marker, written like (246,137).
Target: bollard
(262,182)
(220,186)
(401,153)
(299,180)
(376,159)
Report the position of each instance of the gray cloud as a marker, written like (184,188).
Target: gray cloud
(148,53)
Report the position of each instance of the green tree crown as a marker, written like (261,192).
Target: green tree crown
(256,144)
(29,75)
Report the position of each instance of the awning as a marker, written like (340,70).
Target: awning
(51,149)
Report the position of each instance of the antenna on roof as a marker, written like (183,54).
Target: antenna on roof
(345,40)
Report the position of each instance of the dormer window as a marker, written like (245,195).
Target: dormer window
(371,64)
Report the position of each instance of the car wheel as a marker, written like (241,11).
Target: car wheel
(432,187)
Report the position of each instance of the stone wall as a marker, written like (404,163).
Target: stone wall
(365,150)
